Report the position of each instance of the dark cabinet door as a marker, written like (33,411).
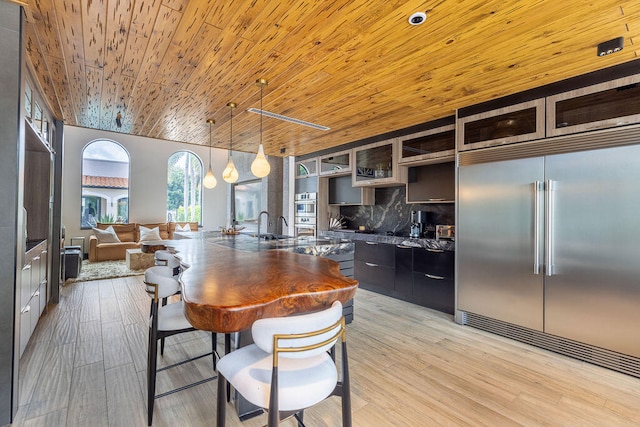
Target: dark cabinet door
(403,273)
(432,183)
(374,276)
(434,292)
(436,262)
(375,253)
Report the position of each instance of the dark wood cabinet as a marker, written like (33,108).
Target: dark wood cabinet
(404,266)
(343,193)
(437,262)
(433,279)
(434,183)
(421,276)
(381,254)
(436,293)
(374,266)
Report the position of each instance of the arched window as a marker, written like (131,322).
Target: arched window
(184,189)
(105,184)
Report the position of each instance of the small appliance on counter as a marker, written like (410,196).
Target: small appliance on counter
(447,232)
(418,223)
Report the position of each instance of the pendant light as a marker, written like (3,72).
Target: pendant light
(209,180)
(230,173)
(260,166)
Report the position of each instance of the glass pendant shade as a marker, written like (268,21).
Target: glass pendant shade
(230,173)
(209,180)
(260,166)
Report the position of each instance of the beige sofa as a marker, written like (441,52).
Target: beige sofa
(129,236)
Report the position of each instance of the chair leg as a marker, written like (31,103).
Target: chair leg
(227,350)
(151,374)
(346,388)
(214,353)
(274,415)
(164,302)
(221,408)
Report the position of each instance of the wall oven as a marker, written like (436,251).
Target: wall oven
(305,214)
(305,204)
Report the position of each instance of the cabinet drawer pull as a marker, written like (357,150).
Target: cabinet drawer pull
(403,246)
(370,264)
(371,243)
(430,276)
(435,250)
(36,258)
(26,309)
(37,294)
(437,199)
(26,267)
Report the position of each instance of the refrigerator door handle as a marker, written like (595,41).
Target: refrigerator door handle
(549,187)
(536,227)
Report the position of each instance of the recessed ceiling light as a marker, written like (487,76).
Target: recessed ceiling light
(417,18)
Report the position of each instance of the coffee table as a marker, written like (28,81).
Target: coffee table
(138,260)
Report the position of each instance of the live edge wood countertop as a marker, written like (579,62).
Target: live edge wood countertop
(226,290)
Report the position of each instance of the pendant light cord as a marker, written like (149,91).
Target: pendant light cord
(261,112)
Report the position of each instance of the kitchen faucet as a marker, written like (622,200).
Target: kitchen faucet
(268,223)
(285,224)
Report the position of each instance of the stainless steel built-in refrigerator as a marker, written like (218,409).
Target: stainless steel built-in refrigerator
(551,242)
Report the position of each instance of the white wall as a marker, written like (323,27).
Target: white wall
(147,182)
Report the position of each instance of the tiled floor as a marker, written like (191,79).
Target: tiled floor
(410,366)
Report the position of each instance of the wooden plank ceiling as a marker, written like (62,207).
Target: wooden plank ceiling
(355,66)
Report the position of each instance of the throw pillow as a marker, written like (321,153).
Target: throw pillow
(147,234)
(186,227)
(106,236)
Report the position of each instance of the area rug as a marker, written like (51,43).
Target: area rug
(103,270)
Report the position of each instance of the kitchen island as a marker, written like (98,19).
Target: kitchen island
(232,281)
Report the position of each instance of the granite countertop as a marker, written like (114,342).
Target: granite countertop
(328,243)
(250,243)
(447,245)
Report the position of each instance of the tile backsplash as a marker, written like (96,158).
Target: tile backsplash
(391,213)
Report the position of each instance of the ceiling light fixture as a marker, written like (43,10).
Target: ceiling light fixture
(610,46)
(230,173)
(288,119)
(260,166)
(417,18)
(209,180)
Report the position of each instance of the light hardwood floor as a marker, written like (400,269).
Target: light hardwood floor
(410,366)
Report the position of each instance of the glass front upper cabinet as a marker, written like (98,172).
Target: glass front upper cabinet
(28,99)
(336,164)
(376,165)
(605,105)
(515,123)
(307,168)
(430,146)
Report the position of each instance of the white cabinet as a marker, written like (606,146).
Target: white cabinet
(33,291)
